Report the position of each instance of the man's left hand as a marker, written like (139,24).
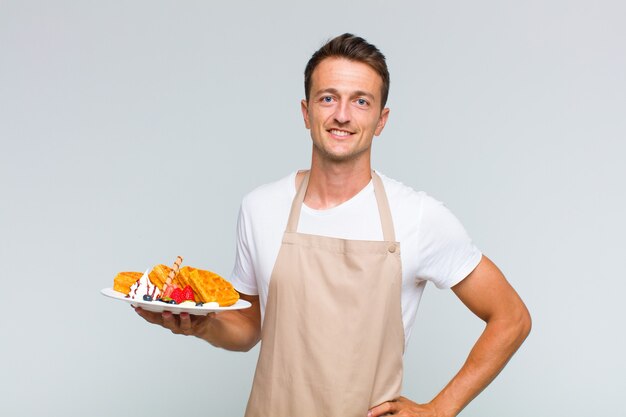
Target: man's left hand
(403,407)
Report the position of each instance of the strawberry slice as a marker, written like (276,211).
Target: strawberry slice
(188,293)
(177,295)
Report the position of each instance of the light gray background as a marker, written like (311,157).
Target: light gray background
(130,130)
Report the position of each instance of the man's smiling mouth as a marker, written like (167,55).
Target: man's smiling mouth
(341,133)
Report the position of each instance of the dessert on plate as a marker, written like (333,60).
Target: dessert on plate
(186,285)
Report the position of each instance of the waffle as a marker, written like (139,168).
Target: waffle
(158,275)
(207,286)
(124,280)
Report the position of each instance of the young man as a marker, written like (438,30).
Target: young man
(335,260)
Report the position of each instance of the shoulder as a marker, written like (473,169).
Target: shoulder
(415,207)
(269,200)
(399,193)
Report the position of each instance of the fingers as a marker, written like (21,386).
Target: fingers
(169,321)
(154,318)
(185,325)
(176,323)
(403,406)
(382,409)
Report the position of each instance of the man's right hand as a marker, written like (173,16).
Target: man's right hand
(238,330)
(183,323)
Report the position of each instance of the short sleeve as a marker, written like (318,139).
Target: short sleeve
(243,277)
(447,254)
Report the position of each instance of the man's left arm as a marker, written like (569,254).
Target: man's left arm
(487,293)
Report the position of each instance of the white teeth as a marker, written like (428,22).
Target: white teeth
(339,132)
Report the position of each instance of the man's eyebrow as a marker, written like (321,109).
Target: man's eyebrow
(327,91)
(358,93)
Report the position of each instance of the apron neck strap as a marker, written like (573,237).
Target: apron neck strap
(296,204)
(384,212)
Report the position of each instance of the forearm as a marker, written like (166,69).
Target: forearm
(236,330)
(493,349)
(487,294)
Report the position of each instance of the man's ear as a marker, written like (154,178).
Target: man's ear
(382,120)
(304,106)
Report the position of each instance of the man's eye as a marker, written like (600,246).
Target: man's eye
(361,102)
(327,99)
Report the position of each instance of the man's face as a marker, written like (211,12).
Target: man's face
(344,111)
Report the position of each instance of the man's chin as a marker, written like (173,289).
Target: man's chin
(340,156)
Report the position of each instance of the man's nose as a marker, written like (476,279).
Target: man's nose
(342,112)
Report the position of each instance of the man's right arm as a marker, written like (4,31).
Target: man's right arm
(238,330)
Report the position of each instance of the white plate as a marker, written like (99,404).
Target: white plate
(158,306)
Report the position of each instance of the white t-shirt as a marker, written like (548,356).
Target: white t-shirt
(434,246)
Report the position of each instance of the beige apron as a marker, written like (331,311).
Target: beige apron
(332,337)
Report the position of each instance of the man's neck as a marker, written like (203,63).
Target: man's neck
(331,184)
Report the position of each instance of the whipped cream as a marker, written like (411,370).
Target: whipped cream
(142,287)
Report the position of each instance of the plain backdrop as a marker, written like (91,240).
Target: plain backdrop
(130,131)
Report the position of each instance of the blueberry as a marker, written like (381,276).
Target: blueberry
(199,304)
(146,297)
